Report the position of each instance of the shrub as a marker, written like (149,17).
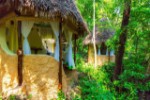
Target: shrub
(92,83)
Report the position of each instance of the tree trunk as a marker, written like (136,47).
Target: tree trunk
(122,39)
(94,44)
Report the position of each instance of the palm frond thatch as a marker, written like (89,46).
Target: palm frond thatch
(46,9)
(99,36)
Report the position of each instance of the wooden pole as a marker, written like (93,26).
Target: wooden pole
(60,56)
(75,45)
(20,54)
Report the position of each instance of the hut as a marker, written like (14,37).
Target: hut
(32,33)
(104,54)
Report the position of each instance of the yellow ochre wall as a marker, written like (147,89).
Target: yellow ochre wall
(40,76)
(101,59)
(0,75)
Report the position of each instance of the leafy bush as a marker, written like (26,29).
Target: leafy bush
(61,96)
(130,81)
(92,85)
(108,69)
(98,84)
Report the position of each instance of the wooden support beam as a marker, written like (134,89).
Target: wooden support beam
(60,55)
(20,54)
(70,25)
(12,16)
(36,19)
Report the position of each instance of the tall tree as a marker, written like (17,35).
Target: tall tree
(122,39)
(94,45)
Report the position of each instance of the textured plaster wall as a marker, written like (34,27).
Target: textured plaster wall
(40,76)
(90,54)
(101,59)
(0,75)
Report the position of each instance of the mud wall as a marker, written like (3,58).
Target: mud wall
(101,59)
(40,76)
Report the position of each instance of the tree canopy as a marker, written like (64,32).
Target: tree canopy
(134,37)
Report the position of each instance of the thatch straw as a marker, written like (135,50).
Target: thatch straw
(100,36)
(48,9)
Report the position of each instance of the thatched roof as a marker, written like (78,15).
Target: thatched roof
(46,9)
(99,36)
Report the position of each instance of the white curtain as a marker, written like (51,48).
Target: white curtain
(112,53)
(107,52)
(26,28)
(55,28)
(69,54)
(99,50)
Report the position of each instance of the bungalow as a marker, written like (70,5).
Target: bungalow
(32,33)
(104,54)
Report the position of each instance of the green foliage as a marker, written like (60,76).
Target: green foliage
(82,49)
(134,75)
(86,9)
(137,51)
(12,97)
(137,46)
(130,81)
(61,96)
(77,97)
(17,97)
(29,96)
(92,83)
(98,84)
(0,97)
(108,70)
